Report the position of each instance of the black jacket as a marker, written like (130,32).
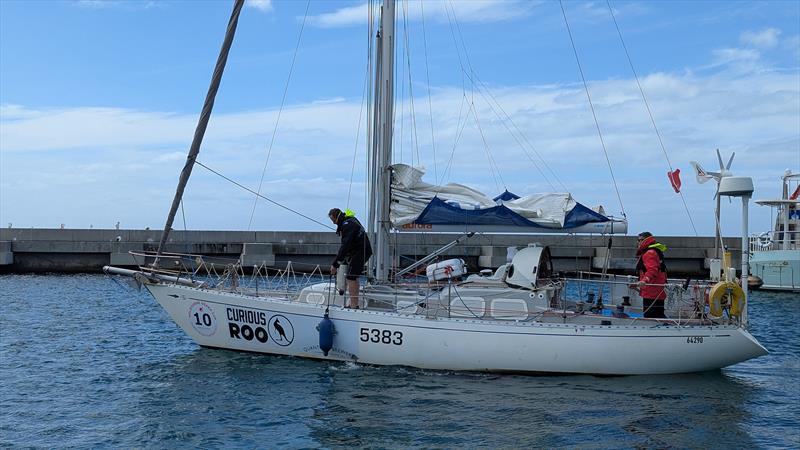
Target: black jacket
(354,240)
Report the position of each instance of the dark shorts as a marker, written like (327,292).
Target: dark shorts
(653,308)
(355,266)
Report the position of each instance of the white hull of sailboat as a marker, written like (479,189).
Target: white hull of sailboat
(281,327)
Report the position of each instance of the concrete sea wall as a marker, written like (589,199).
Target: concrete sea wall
(88,250)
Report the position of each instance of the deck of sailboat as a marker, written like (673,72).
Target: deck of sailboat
(375,304)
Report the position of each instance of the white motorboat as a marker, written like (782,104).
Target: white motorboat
(775,254)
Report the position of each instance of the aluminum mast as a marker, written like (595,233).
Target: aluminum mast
(382,152)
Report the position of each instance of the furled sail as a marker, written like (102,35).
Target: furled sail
(419,205)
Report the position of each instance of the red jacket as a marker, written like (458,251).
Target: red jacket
(649,267)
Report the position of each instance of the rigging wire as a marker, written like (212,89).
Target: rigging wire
(259,195)
(412,111)
(403,105)
(460,130)
(495,105)
(358,132)
(492,162)
(514,134)
(464,98)
(454,20)
(506,117)
(473,76)
(463,45)
(458,49)
(280,110)
(649,112)
(183,214)
(591,106)
(428,83)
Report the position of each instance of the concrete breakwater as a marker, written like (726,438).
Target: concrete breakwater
(88,250)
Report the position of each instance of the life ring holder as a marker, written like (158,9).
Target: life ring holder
(764,240)
(726,295)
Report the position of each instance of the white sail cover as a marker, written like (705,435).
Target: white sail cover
(411,196)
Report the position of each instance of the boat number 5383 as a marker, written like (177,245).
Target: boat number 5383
(379,336)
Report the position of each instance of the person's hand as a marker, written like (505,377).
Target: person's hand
(333,270)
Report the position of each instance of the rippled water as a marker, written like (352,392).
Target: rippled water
(86,362)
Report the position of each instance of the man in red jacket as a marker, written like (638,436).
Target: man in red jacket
(652,275)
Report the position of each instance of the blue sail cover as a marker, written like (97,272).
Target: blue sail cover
(581,215)
(506,196)
(439,212)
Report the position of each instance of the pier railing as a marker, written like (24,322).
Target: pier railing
(774,240)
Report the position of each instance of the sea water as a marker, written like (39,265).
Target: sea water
(86,362)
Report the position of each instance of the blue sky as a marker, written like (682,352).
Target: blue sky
(99,99)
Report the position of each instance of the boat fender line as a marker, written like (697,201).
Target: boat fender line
(726,294)
(326,331)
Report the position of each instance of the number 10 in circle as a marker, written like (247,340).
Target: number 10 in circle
(202,318)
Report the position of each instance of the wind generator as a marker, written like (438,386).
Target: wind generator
(703,176)
(730,186)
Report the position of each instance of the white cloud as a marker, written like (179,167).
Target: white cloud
(329,100)
(729,55)
(66,161)
(351,15)
(170,157)
(90,127)
(261,5)
(14,112)
(741,60)
(767,38)
(466,11)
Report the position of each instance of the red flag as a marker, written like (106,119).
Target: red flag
(675,179)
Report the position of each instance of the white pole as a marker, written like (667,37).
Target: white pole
(745,254)
(785,209)
(785,236)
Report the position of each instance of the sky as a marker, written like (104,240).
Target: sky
(99,101)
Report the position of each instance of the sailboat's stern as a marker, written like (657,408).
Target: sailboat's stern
(753,347)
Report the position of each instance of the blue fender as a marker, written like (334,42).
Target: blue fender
(326,330)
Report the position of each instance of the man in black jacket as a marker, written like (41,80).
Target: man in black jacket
(354,251)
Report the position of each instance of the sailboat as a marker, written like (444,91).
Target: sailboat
(517,319)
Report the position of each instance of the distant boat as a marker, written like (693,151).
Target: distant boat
(517,319)
(775,254)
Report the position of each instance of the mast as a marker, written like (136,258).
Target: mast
(372,172)
(382,152)
(202,123)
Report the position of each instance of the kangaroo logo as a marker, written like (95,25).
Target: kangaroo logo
(281,330)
